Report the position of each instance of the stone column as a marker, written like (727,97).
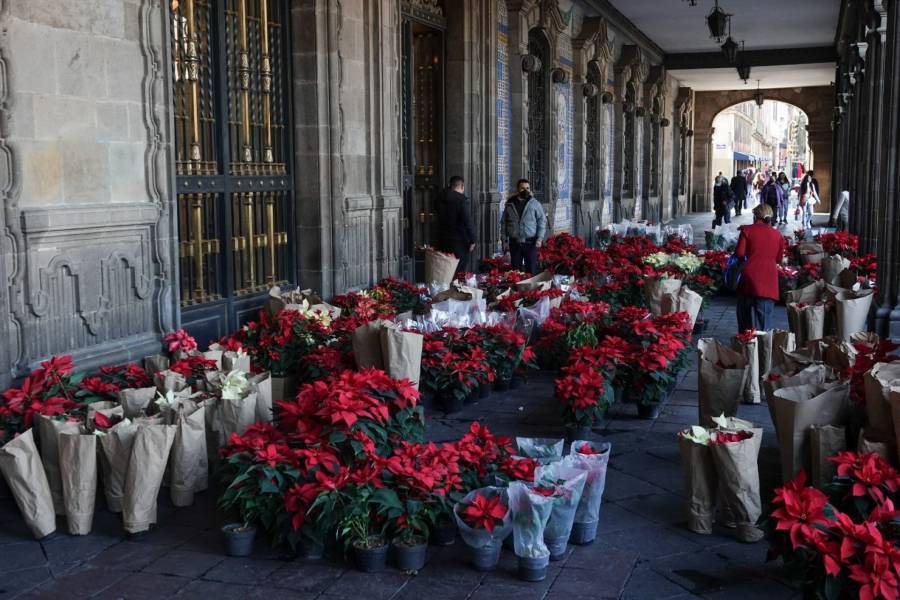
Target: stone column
(701,173)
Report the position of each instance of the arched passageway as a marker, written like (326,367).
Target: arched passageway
(814,101)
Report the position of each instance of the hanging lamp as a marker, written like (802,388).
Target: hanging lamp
(717,21)
(730,47)
(758,97)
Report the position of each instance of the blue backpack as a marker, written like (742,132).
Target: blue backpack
(731,276)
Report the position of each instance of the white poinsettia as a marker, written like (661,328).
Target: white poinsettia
(687,262)
(657,259)
(697,434)
(165,401)
(235,385)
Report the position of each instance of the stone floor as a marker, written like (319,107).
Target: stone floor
(643,549)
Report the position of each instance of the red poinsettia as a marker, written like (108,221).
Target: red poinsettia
(745,337)
(872,475)
(180,340)
(484,512)
(519,468)
(799,510)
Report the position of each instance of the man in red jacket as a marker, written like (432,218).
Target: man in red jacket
(762,246)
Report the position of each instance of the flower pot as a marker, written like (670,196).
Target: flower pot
(410,557)
(310,549)
(583,533)
(533,569)
(557,547)
(238,539)
(648,410)
(371,558)
(577,432)
(618,394)
(471,397)
(502,385)
(485,558)
(484,390)
(451,403)
(443,534)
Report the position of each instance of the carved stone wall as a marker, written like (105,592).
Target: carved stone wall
(85,231)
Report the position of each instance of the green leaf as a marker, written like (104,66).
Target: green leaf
(387,499)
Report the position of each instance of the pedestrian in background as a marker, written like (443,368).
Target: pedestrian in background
(809,197)
(840,216)
(784,204)
(524,226)
(771,195)
(739,192)
(457,231)
(722,200)
(763,246)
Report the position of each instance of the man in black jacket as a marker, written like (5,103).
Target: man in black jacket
(457,232)
(739,190)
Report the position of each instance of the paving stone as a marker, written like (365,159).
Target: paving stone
(184,563)
(650,542)
(664,509)
(22,555)
(620,485)
(266,592)
(646,583)
(81,582)
(144,585)
(307,576)
(614,517)
(242,570)
(377,586)
(452,564)
(702,572)
(755,589)
(436,589)
(209,590)
(604,578)
(495,591)
(14,583)
(65,551)
(128,556)
(13,529)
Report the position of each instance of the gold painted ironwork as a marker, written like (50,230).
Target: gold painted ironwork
(244,75)
(272,235)
(196,248)
(266,77)
(193,76)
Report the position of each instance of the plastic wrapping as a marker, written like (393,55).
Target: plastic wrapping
(481,538)
(535,314)
(530,513)
(567,478)
(595,465)
(543,450)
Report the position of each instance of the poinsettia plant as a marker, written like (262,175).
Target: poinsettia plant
(484,511)
(49,390)
(585,388)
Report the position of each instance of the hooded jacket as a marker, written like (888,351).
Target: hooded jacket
(532,223)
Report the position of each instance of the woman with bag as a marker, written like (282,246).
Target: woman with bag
(762,246)
(809,197)
(784,203)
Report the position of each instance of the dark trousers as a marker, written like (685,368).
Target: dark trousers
(723,212)
(523,256)
(738,205)
(460,249)
(754,313)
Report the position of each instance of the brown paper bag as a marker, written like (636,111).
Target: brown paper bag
(750,352)
(453,293)
(723,375)
(654,290)
(813,374)
(738,469)
(262,385)
(235,361)
(366,340)
(49,430)
(764,344)
(439,267)
(135,401)
(808,294)
(831,268)
(149,456)
(871,442)
(401,352)
(702,482)
(852,311)
(798,408)
(79,480)
(115,453)
(839,355)
(685,300)
(542,281)
(104,407)
(811,252)
(168,380)
(284,388)
(824,441)
(806,322)
(189,465)
(24,474)
(156,363)
(877,385)
(782,341)
(235,416)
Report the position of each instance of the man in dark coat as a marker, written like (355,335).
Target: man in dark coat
(739,190)
(457,232)
(770,194)
(722,201)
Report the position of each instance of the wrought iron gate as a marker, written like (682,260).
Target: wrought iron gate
(231,77)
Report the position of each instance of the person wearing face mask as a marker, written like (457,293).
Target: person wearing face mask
(524,227)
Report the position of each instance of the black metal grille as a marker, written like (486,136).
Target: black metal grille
(537,115)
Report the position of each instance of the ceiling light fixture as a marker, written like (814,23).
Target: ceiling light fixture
(758,97)
(717,21)
(743,68)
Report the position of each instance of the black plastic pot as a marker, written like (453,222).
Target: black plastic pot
(472,397)
(238,539)
(502,385)
(451,404)
(309,549)
(486,558)
(533,569)
(557,547)
(484,390)
(577,432)
(444,533)
(411,557)
(371,558)
(583,533)
(648,410)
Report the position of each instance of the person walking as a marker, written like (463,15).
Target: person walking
(748,175)
(722,199)
(759,181)
(771,195)
(785,184)
(739,192)
(457,231)
(524,226)
(762,246)
(840,216)
(809,197)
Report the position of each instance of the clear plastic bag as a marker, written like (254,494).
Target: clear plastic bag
(537,313)
(530,513)
(595,465)
(567,477)
(543,450)
(481,538)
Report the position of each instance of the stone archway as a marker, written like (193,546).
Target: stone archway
(814,101)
